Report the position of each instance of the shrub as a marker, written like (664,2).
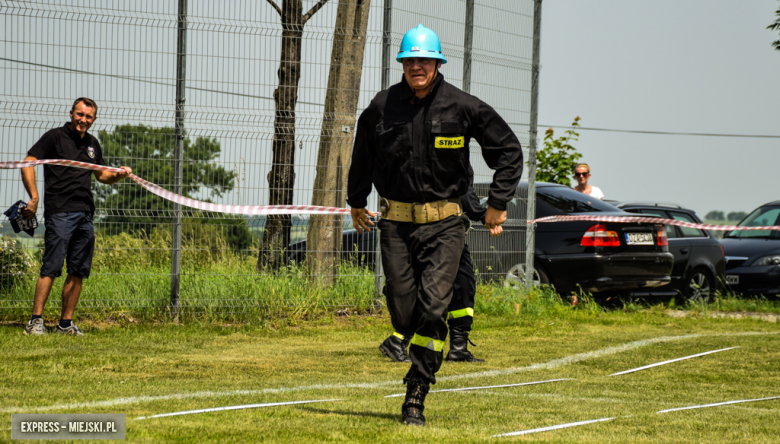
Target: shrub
(14,263)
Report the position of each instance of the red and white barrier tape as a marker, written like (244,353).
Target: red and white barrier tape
(250,210)
(265,210)
(654,220)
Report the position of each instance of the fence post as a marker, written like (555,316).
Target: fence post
(531,207)
(178,168)
(467,42)
(387,29)
(387,41)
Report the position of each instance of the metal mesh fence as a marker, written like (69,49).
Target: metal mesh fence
(209,99)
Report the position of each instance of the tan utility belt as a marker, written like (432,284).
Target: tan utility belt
(418,213)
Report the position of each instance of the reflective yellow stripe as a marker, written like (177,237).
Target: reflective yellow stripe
(450,142)
(429,343)
(461,313)
(398,335)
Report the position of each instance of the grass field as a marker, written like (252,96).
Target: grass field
(147,369)
(131,276)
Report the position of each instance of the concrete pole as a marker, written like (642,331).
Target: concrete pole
(530,244)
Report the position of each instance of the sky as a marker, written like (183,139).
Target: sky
(701,66)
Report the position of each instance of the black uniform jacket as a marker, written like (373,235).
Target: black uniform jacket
(417,150)
(470,202)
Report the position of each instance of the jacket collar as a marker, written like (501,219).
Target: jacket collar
(407,93)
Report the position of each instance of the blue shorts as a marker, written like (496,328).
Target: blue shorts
(71,236)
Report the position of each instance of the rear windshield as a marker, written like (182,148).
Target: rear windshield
(570,201)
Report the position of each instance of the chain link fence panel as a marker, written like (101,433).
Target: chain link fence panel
(239,103)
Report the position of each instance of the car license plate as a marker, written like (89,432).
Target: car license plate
(639,239)
(732,279)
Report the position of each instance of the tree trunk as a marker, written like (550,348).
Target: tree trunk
(336,138)
(281,178)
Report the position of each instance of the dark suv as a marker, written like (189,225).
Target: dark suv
(699,261)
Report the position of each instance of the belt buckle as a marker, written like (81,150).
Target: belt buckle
(421,208)
(384,207)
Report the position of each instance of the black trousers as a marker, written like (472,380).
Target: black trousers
(420,264)
(463,294)
(461,308)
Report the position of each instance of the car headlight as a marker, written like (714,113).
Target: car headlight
(767,260)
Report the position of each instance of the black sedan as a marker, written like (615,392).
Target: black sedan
(699,262)
(572,256)
(753,257)
(355,248)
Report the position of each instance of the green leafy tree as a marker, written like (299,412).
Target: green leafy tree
(775,27)
(150,153)
(556,161)
(715,215)
(736,216)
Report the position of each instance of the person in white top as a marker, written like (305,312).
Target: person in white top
(582,174)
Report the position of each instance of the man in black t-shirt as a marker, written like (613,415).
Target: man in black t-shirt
(68,210)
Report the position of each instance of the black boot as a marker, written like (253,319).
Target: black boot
(412,408)
(395,349)
(459,343)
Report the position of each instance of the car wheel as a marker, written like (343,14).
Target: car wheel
(515,278)
(699,286)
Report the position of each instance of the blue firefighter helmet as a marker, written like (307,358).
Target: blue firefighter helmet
(420,42)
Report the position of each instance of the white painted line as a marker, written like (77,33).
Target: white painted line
(555,427)
(463,389)
(717,404)
(194,395)
(670,361)
(235,407)
(555,363)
